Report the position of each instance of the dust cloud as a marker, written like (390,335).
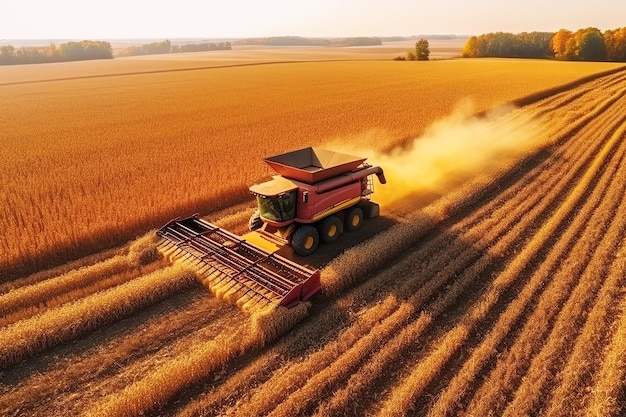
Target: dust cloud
(450,152)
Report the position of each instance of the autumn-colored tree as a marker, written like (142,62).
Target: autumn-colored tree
(510,45)
(583,45)
(559,44)
(615,41)
(469,50)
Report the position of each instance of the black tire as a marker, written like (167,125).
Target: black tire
(305,240)
(354,219)
(255,221)
(330,228)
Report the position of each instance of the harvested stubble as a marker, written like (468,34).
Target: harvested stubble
(606,397)
(199,362)
(105,364)
(533,335)
(24,338)
(29,300)
(595,248)
(457,388)
(411,333)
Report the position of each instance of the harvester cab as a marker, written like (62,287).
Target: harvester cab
(316,196)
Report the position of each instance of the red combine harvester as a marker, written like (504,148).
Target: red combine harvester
(316,196)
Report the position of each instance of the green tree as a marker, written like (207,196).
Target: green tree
(422,50)
(590,45)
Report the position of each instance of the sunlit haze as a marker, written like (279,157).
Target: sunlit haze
(71,19)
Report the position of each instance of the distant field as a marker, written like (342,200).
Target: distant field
(239,55)
(91,161)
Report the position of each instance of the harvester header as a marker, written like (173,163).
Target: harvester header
(316,196)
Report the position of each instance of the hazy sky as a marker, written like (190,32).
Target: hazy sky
(92,19)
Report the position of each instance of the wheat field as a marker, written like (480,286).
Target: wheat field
(502,294)
(92,161)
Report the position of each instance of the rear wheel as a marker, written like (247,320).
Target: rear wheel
(330,228)
(305,240)
(354,219)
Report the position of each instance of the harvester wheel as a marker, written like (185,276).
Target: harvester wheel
(330,228)
(305,240)
(255,221)
(354,219)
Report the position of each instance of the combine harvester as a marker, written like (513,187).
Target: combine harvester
(316,196)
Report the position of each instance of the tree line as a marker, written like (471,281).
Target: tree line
(70,51)
(166,47)
(589,44)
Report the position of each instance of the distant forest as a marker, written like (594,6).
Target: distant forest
(588,44)
(166,47)
(85,50)
(70,51)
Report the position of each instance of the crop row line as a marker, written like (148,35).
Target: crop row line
(581,366)
(606,396)
(457,388)
(601,236)
(510,366)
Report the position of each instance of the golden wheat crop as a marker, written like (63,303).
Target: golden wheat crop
(93,159)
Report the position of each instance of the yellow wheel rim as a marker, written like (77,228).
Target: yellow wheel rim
(308,243)
(332,230)
(356,220)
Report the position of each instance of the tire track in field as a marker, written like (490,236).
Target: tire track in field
(173,70)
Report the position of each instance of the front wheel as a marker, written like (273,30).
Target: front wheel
(305,240)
